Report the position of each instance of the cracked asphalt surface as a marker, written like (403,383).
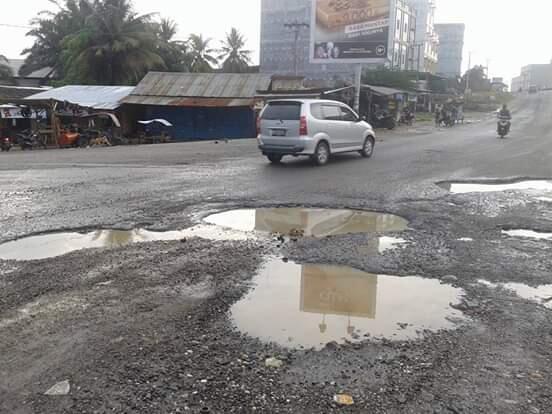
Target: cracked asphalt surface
(145,328)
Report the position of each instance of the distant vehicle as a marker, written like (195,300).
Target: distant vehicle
(503,127)
(313,128)
(533,89)
(29,140)
(5,144)
(384,119)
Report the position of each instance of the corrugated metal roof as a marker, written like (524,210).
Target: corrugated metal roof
(176,89)
(96,97)
(17,92)
(174,101)
(384,90)
(43,73)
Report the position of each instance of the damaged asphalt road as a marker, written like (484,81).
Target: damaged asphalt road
(146,327)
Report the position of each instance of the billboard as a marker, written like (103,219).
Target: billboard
(349,31)
(341,291)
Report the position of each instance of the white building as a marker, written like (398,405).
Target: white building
(517,84)
(450,50)
(427,41)
(402,57)
(286,41)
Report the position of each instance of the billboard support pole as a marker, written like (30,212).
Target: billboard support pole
(358,83)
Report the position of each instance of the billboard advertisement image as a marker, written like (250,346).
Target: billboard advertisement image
(350,30)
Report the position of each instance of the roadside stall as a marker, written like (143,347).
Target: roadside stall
(84,115)
(18,119)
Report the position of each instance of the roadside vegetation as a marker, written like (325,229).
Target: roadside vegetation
(108,42)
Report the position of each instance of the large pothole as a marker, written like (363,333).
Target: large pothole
(228,226)
(309,306)
(57,244)
(308,222)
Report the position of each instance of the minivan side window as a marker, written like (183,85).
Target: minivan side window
(348,115)
(331,112)
(282,111)
(316,111)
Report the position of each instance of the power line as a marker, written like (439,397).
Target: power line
(16,26)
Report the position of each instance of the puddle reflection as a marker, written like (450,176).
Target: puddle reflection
(57,244)
(466,187)
(308,222)
(541,294)
(528,234)
(310,306)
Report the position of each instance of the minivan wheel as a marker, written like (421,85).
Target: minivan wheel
(322,154)
(368,147)
(275,158)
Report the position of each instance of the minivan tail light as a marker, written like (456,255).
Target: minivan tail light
(303,130)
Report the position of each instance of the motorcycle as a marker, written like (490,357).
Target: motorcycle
(29,141)
(5,144)
(503,127)
(407,118)
(384,119)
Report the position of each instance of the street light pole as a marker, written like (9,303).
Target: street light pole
(296,28)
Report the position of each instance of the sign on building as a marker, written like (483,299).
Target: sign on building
(350,31)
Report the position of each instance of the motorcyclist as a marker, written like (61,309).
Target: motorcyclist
(505,113)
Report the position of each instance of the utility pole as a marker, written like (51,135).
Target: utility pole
(358,86)
(296,28)
(468,74)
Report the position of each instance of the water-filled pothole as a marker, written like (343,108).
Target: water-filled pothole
(528,234)
(310,306)
(541,294)
(488,187)
(308,222)
(233,225)
(57,244)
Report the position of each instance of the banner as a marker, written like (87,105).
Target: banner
(350,30)
(14,112)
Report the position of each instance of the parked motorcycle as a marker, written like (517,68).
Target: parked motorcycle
(29,140)
(384,119)
(407,118)
(503,127)
(5,144)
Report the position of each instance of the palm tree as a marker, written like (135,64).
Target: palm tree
(200,54)
(167,30)
(174,52)
(115,46)
(235,58)
(6,72)
(51,28)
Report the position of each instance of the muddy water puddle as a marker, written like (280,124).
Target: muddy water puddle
(541,294)
(481,187)
(309,306)
(308,222)
(57,244)
(229,226)
(528,234)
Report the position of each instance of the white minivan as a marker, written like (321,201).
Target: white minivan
(314,128)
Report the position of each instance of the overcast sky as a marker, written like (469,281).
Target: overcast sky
(508,34)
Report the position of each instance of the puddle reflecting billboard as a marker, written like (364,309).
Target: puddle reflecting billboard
(350,30)
(338,291)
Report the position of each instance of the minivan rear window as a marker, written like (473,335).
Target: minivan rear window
(282,111)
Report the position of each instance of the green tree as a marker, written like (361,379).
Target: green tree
(6,72)
(391,78)
(478,81)
(201,57)
(173,52)
(51,28)
(115,46)
(235,58)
